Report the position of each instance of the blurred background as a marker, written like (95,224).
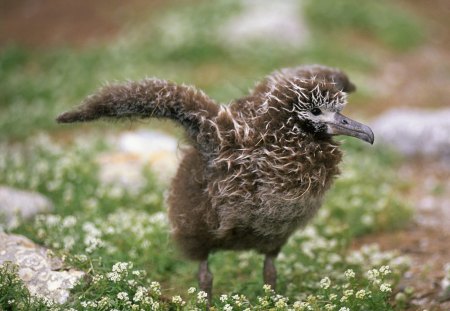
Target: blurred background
(53,53)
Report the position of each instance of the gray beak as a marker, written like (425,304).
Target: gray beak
(341,125)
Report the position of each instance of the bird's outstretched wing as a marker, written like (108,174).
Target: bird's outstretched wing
(149,98)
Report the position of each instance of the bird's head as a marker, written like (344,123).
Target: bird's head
(314,105)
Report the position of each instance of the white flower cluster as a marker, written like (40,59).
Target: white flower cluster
(119,271)
(178,300)
(201,297)
(325,282)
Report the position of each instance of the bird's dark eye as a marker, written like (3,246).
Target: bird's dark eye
(316,111)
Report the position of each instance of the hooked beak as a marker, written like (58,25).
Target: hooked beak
(341,125)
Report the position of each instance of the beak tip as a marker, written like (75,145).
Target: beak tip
(371,139)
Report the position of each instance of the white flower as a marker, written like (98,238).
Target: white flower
(81,257)
(344,309)
(120,267)
(69,221)
(349,274)
(348,292)
(385,270)
(329,307)
(281,303)
(136,272)
(227,307)
(156,288)
(360,294)
(178,300)
(191,290)
(140,293)
(325,283)
(113,276)
(385,288)
(201,296)
(223,298)
(373,274)
(122,296)
(267,288)
(97,278)
(301,305)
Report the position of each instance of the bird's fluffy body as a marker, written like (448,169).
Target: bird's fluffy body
(266,176)
(256,170)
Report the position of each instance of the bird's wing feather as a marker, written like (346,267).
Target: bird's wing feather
(149,98)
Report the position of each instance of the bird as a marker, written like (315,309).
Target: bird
(256,169)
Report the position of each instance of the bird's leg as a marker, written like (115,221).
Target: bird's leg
(205,279)
(270,272)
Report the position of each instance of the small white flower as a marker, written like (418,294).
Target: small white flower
(227,307)
(348,292)
(120,267)
(349,274)
(329,307)
(113,276)
(360,294)
(69,221)
(385,270)
(140,293)
(281,303)
(344,309)
(132,282)
(156,288)
(385,288)
(223,298)
(122,296)
(192,290)
(325,283)
(178,300)
(201,296)
(267,288)
(373,274)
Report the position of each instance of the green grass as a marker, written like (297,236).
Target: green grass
(385,21)
(96,226)
(181,44)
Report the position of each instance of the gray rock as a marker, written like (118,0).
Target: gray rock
(15,204)
(134,151)
(415,132)
(267,21)
(40,273)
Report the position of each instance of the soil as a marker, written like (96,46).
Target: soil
(420,78)
(43,23)
(426,240)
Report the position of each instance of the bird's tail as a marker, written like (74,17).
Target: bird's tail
(146,99)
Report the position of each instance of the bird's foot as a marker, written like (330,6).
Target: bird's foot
(270,272)
(205,279)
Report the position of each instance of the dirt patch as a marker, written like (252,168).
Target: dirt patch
(419,78)
(429,252)
(426,240)
(39,23)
